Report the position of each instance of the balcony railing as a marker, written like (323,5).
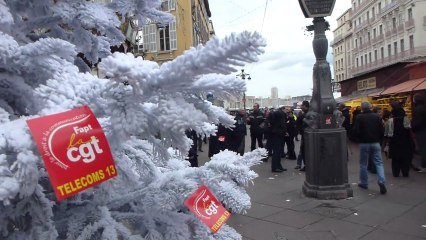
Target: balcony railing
(400,28)
(409,23)
(388,33)
(402,56)
(358,8)
(391,6)
(377,39)
(359,27)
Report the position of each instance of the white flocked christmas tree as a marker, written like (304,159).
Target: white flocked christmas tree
(144,109)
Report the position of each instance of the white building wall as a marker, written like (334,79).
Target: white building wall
(392,16)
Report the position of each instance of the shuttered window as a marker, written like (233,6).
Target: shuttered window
(150,37)
(173,37)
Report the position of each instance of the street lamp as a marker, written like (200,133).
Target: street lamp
(243,76)
(324,140)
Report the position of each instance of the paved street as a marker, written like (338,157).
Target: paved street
(281,211)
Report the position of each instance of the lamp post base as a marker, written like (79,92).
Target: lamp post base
(327,192)
(326,157)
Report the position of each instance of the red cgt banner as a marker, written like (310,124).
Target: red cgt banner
(74,149)
(207,208)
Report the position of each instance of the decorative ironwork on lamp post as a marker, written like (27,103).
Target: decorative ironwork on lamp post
(324,140)
(243,75)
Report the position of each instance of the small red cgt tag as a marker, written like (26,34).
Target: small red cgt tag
(74,149)
(207,208)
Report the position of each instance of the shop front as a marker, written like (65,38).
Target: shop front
(398,82)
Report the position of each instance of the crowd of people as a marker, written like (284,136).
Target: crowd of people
(273,129)
(376,131)
(391,132)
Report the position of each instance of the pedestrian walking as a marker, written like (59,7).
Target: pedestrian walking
(369,131)
(401,145)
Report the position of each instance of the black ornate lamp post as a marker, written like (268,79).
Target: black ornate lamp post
(243,75)
(325,140)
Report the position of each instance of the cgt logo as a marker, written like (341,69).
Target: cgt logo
(205,206)
(74,149)
(83,149)
(80,138)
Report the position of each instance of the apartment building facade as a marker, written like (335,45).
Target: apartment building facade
(386,32)
(164,42)
(373,34)
(341,46)
(386,36)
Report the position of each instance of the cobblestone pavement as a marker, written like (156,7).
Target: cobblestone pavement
(281,211)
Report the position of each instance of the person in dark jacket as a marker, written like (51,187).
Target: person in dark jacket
(289,137)
(277,120)
(355,112)
(192,153)
(418,125)
(266,135)
(256,122)
(301,125)
(239,132)
(401,145)
(220,141)
(369,130)
(345,113)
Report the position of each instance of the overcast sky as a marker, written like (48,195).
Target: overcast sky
(288,60)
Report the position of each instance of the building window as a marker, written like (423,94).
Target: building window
(357,62)
(382,52)
(381,29)
(173,36)
(402,45)
(369,36)
(410,13)
(164,38)
(389,50)
(393,23)
(379,6)
(150,37)
(411,42)
(395,47)
(167,5)
(368,15)
(373,11)
(362,60)
(374,33)
(369,57)
(365,58)
(375,55)
(356,43)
